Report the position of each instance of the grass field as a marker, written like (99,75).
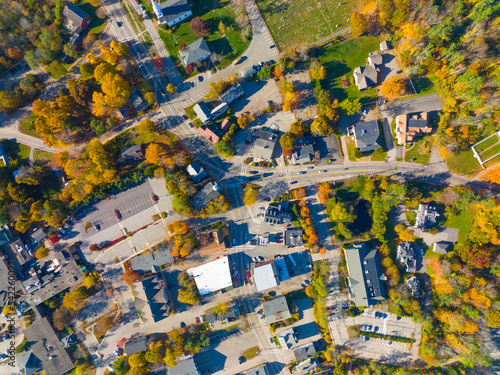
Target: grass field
(421,151)
(97,25)
(303,22)
(340,59)
(462,222)
(229,44)
(484,145)
(42,155)
(464,163)
(27,125)
(485,155)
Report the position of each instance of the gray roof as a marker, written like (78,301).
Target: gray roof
(219,110)
(196,171)
(440,247)
(414,286)
(248,72)
(136,346)
(144,261)
(293,237)
(265,276)
(305,351)
(29,363)
(365,76)
(277,215)
(209,192)
(173,9)
(133,153)
(260,370)
(375,58)
(74,13)
(365,276)
(231,93)
(151,299)
(264,144)
(136,99)
(426,216)
(276,310)
(5,235)
(45,345)
(202,111)
(367,136)
(406,255)
(412,123)
(385,46)
(303,154)
(287,338)
(307,365)
(38,235)
(194,52)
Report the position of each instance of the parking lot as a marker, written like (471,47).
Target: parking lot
(224,336)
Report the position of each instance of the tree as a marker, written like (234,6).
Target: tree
(171,89)
(130,276)
(75,299)
(70,50)
(189,296)
(154,153)
(146,127)
(250,196)
(154,354)
(42,252)
(95,3)
(264,73)
(137,360)
(199,27)
(305,211)
(169,358)
(98,127)
(322,126)
(298,128)
(150,97)
(90,281)
(350,107)
(62,318)
(8,310)
(278,71)
(299,193)
(287,141)
(32,59)
(358,24)
(339,212)
(245,119)
(393,88)
(317,71)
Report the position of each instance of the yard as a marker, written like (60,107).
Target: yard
(462,222)
(97,25)
(480,147)
(490,152)
(340,59)
(464,163)
(229,43)
(303,22)
(421,150)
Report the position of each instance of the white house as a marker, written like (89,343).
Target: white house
(172,12)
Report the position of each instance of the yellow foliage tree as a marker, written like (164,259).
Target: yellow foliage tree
(154,153)
(393,88)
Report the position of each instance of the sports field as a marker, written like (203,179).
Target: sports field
(303,22)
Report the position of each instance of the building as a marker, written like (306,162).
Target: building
(293,237)
(202,111)
(196,171)
(265,276)
(226,124)
(232,313)
(426,216)
(151,299)
(132,154)
(138,345)
(305,351)
(197,51)
(281,269)
(137,101)
(304,154)
(185,366)
(151,260)
(211,132)
(3,155)
(287,338)
(367,136)
(260,370)
(366,76)
(365,277)
(218,245)
(276,310)
(232,93)
(414,286)
(213,276)
(209,192)
(245,73)
(307,365)
(277,215)
(219,111)
(410,126)
(265,143)
(76,18)
(46,352)
(385,46)
(406,255)
(440,247)
(375,59)
(172,12)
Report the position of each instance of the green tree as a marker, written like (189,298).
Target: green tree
(137,360)
(150,97)
(171,89)
(350,107)
(32,59)
(87,70)
(70,50)
(264,73)
(287,141)
(98,127)
(146,127)
(154,354)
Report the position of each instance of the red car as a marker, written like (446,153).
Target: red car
(267,200)
(117,214)
(197,319)
(154,197)
(128,44)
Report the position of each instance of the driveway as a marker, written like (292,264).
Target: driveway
(445,234)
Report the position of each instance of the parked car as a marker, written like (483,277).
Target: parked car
(97,227)
(197,320)
(254,172)
(267,200)
(200,78)
(301,172)
(260,215)
(154,197)
(128,44)
(323,171)
(310,168)
(118,215)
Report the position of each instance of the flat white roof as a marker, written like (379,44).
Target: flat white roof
(213,276)
(265,277)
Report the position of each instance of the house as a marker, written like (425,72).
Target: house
(265,143)
(151,298)
(219,110)
(46,352)
(307,365)
(293,237)
(3,155)
(196,51)
(414,286)
(232,313)
(212,276)
(366,76)
(75,40)
(426,216)
(172,12)
(375,59)
(211,132)
(76,18)
(136,346)
(202,111)
(276,310)
(406,255)
(385,46)
(226,124)
(265,276)
(209,192)
(304,154)
(38,235)
(365,277)
(259,370)
(232,93)
(281,269)
(245,73)
(277,215)
(137,101)
(367,136)
(305,351)
(196,171)
(287,338)
(185,366)
(440,247)
(218,245)
(151,260)
(410,126)
(132,154)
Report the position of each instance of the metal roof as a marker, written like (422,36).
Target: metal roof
(367,136)
(276,310)
(196,51)
(265,276)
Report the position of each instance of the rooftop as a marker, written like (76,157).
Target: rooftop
(367,136)
(196,171)
(231,93)
(151,299)
(209,192)
(265,143)
(260,370)
(202,111)
(212,276)
(173,9)
(305,351)
(293,237)
(146,260)
(303,154)
(287,338)
(265,276)
(194,52)
(277,215)
(281,269)
(426,216)
(406,255)
(276,310)
(136,346)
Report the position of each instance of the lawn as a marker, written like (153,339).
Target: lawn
(16,150)
(487,143)
(423,85)
(340,59)
(229,44)
(381,153)
(251,353)
(190,112)
(351,150)
(42,155)
(462,222)
(303,22)
(464,163)
(97,25)
(485,155)
(421,150)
